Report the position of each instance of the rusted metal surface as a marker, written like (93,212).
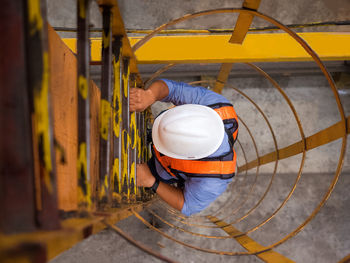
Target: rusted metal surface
(83,55)
(16,167)
(118,29)
(140,132)
(105,111)
(39,208)
(133,148)
(31,252)
(55,242)
(116,121)
(95,102)
(125,132)
(64,97)
(142,158)
(40,103)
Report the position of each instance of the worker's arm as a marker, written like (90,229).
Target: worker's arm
(141,99)
(171,195)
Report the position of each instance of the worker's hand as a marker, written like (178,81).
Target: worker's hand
(144,176)
(140,99)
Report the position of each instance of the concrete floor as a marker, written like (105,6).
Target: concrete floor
(326,238)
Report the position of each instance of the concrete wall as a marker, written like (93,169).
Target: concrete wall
(145,14)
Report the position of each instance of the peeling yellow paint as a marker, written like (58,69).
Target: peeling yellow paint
(117,103)
(34,15)
(82,163)
(132,176)
(133,129)
(126,82)
(83,87)
(82,8)
(138,144)
(105,115)
(41,109)
(115,175)
(125,158)
(104,187)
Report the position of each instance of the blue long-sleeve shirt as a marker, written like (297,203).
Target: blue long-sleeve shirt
(198,192)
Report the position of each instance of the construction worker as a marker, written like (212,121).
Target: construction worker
(192,144)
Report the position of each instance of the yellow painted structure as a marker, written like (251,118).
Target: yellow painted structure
(249,244)
(73,231)
(332,133)
(243,22)
(216,48)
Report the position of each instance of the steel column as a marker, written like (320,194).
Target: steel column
(125,131)
(141,153)
(83,54)
(117,119)
(105,111)
(133,149)
(38,85)
(139,150)
(16,154)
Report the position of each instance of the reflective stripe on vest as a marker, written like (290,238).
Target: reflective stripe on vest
(213,167)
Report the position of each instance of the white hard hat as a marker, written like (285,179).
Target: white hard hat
(188,131)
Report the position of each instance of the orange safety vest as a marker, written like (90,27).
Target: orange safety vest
(218,167)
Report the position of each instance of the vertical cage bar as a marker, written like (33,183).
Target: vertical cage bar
(125,130)
(16,154)
(105,110)
(83,54)
(38,85)
(143,141)
(117,119)
(145,153)
(138,151)
(133,149)
(148,154)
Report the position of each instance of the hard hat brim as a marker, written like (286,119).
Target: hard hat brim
(162,149)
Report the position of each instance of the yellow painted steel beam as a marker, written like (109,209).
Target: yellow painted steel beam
(323,137)
(216,49)
(238,35)
(249,244)
(243,22)
(222,77)
(73,231)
